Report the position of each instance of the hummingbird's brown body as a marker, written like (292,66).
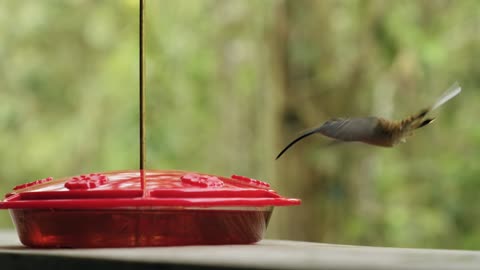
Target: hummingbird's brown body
(391,133)
(375,130)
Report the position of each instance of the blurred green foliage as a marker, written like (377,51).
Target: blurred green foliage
(230,82)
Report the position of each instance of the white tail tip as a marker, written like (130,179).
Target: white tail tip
(451,92)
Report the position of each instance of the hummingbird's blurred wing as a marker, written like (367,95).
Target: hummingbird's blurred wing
(347,130)
(350,129)
(451,92)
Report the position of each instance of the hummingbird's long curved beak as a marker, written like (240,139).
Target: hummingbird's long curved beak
(306,134)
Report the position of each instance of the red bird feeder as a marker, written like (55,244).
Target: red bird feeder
(142,208)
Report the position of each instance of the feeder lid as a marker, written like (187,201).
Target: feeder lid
(146,188)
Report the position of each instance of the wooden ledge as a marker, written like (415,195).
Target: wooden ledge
(268,254)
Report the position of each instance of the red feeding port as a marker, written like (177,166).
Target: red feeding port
(201,180)
(142,208)
(250,181)
(92,180)
(34,183)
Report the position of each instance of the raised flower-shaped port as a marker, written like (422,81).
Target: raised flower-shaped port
(34,183)
(250,181)
(86,181)
(201,180)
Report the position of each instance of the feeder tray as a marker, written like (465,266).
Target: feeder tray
(142,208)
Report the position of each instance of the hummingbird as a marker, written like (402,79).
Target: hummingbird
(376,131)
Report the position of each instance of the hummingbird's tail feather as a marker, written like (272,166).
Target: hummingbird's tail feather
(425,122)
(450,93)
(306,134)
(415,122)
(418,121)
